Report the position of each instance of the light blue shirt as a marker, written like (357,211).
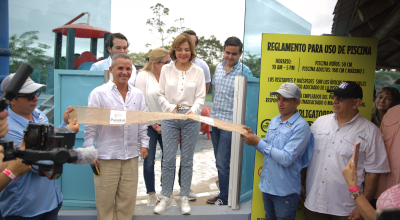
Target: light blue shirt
(203,65)
(287,148)
(30,194)
(224,84)
(101,65)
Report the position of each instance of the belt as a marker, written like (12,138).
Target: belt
(182,107)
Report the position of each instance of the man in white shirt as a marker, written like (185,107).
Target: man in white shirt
(327,196)
(116,43)
(117,146)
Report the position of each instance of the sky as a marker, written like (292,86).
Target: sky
(221,18)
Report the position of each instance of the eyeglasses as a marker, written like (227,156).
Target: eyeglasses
(31,96)
(340,99)
(169,61)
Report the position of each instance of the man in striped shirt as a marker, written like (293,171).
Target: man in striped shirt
(224,84)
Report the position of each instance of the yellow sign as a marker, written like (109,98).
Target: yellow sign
(315,64)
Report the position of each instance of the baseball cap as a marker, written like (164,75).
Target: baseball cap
(29,86)
(288,90)
(348,89)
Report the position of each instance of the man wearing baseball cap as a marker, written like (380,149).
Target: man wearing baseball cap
(28,196)
(327,196)
(287,148)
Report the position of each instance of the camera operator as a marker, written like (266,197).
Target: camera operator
(28,195)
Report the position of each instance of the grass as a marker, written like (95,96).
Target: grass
(208,97)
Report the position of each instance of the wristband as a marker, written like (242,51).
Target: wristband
(353,189)
(155,127)
(10,174)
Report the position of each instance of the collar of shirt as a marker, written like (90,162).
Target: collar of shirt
(292,118)
(37,117)
(349,122)
(238,65)
(111,85)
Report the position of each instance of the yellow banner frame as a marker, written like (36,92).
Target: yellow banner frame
(315,64)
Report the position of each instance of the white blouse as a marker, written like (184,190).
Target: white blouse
(148,84)
(186,88)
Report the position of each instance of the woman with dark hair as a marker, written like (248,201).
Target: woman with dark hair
(387,98)
(147,81)
(181,91)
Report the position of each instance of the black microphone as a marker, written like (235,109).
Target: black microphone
(15,85)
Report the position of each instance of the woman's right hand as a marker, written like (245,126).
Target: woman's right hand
(174,111)
(158,129)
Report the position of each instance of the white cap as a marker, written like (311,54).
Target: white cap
(29,86)
(288,90)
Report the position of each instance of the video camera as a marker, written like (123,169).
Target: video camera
(43,146)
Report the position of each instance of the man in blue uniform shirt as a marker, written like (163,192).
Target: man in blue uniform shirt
(287,148)
(30,196)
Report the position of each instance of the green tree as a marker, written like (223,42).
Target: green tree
(253,61)
(139,58)
(211,51)
(25,49)
(158,24)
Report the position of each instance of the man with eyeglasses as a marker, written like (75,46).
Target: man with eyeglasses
(335,135)
(28,196)
(116,43)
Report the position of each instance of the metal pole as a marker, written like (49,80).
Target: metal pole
(70,49)
(5,52)
(93,46)
(57,50)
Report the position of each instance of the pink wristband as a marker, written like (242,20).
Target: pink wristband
(155,127)
(9,174)
(353,189)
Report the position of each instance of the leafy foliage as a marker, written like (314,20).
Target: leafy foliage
(158,24)
(253,61)
(139,58)
(211,51)
(25,49)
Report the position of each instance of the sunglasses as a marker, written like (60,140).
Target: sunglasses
(340,99)
(31,96)
(169,61)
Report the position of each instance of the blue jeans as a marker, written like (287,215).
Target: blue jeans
(280,207)
(52,215)
(189,132)
(148,164)
(221,141)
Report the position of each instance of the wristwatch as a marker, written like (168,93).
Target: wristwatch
(355,194)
